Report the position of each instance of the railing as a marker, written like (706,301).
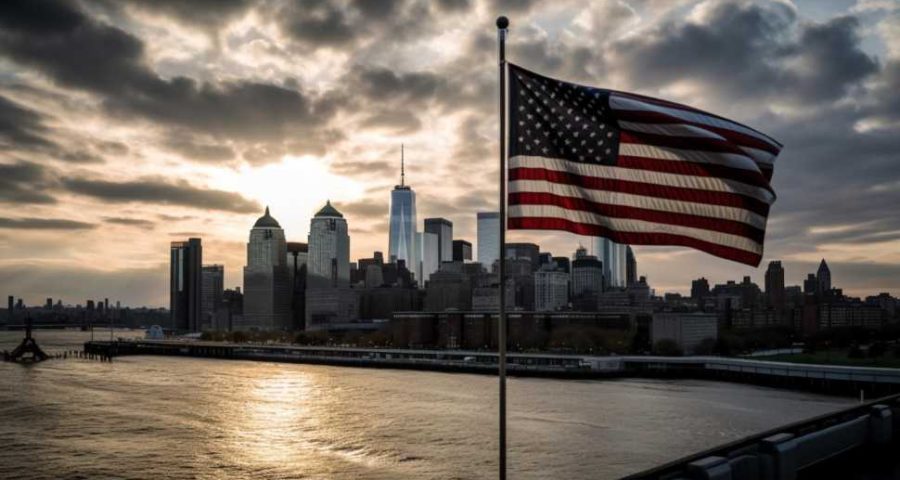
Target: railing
(784,452)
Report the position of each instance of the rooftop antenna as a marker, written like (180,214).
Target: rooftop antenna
(402,167)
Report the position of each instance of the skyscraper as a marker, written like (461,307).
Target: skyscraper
(587,274)
(775,285)
(462,251)
(431,253)
(699,288)
(488,238)
(185,284)
(443,228)
(402,233)
(613,256)
(298,257)
(630,266)
(213,288)
(824,276)
(329,250)
(267,289)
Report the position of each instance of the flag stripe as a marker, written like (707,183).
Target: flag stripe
(620,102)
(640,201)
(658,118)
(696,169)
(638,188)
(698,156)
(634,238)
(626,212)
(668,141)
(611,173)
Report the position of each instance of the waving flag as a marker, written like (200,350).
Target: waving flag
(635,169)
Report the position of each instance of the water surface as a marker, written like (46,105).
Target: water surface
(164,417)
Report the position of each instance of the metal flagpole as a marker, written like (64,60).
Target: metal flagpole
(502,25)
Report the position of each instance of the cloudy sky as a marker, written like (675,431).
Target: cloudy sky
(125,125)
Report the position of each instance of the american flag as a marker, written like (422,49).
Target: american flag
(635,169)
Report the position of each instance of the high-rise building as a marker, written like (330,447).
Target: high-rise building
(811,285)
(213,289)
(431,247)
(530,251)
(298,257)
(488,238)
(329,250)
(443,228)
(630,266)
(402,228)
(824,277)
(185,285)
(551,289)
(587,274)
(699,289)
(267,288)
(462,251)
(613,256)
(775,285)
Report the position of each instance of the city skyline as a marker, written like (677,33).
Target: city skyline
(91,201)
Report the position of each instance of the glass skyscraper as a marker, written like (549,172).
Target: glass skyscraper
(613,255)
(488,238)
(402,234)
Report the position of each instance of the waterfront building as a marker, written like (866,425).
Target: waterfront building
(402,223)
(687,330)
(328,296)
(488,238)
(213,289)
(326,307)
(443,228)
(329,250)
(267,282)
(462,251)
(185,285)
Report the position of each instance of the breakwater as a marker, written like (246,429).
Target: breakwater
(843,380)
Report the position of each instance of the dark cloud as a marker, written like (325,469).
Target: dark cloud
(158,191)
(25,182)
(197,150)
(318,23)
(129,222)
(401,121)
(207,13)
(20,127)
(60,41)
(746,51)
(43,224)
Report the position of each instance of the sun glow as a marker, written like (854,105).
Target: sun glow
(294,188)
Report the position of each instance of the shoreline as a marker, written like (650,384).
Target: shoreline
(829,379)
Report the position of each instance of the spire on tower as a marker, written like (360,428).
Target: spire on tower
(402,167)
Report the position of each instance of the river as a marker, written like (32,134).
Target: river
(165,417)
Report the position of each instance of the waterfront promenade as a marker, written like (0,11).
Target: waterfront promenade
(846,380)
